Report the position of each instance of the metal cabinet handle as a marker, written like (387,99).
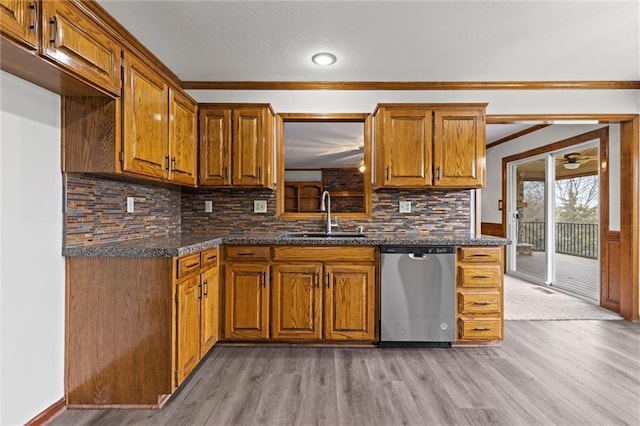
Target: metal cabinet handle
(438,172)
(206,288)
(199,291)
(54,21)
(173,164)
(34,26)
(482,276)
(191,265)
(387,173)
(481,303)
(481,255)
(212,257)
(481,329)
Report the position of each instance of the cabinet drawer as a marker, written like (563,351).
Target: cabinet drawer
(480,254)
(188,264)
(209,257)
(328,253)
(482,329)
(248,253)
(480,276)
(479,303)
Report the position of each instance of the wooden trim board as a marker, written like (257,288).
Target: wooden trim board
(48,414)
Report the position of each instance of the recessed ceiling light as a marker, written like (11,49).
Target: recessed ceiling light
(324,58)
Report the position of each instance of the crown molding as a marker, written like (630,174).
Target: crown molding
(412,85)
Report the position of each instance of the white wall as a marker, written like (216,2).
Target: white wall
(31,264)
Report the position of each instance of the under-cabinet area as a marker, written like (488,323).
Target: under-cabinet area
(158,307)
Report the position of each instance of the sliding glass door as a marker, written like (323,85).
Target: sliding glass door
(553,220)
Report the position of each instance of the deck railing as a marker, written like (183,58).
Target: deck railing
(576,239)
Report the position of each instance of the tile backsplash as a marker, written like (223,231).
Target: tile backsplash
(432,210)
(96,211)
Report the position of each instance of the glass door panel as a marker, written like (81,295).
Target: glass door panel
(527,206)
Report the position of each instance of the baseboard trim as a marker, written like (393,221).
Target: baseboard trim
(49,413)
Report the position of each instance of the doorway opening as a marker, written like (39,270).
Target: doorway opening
(553,218)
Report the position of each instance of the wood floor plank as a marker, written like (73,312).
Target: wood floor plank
(545,372)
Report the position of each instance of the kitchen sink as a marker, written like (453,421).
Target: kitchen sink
(322,235)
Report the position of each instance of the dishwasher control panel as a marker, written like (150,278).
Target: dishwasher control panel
(418,249)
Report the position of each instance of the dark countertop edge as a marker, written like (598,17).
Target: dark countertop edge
(134,249)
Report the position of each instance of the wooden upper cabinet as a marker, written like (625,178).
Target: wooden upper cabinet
(215,147)
(297,302)
(406,146)
(459,148)
(75,42)
(183,137)
(236,145)
(430,145)
(145,120)
(19,21)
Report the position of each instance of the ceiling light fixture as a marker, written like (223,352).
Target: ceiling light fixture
(571,166)
(324,58)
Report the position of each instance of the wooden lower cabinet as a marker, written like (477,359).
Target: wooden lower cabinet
(137,326)
(297,302)
(479,294)
(349,302)
(188,297)
(246,314)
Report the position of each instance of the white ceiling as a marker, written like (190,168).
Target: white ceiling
(389,40)
(426,40)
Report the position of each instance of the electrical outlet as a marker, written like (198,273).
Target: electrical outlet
(131,204)
(259,206)
(405,207)
(208,206)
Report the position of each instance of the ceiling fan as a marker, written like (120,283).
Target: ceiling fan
(573,160)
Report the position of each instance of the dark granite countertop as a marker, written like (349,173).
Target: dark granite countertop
(181,244)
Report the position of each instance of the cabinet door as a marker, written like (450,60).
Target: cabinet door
(248,147)
(297,302)
(19,21)
(215,147)
(406,144)
(459,148)
(145,121)
(183,138)
(188,326)
(77,43)
(246,301)
(349,302)
(210,312)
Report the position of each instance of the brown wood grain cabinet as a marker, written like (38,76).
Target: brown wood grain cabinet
(19,21)
(76,42)
(154,316)
(429,145)
(324,293)
(479,294)
(297,301)
(236,145)
(246,315)
(150,132)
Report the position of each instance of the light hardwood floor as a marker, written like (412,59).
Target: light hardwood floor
(545,372)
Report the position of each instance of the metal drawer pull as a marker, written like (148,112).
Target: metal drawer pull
(481,255)
(482,276)
(54,22)
(206,288)
(34,26)
(192,265)
(482,329)
(199,290)
(211,257)
(246,254)
(481,303)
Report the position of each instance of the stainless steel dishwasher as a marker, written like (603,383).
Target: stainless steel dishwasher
(418,296)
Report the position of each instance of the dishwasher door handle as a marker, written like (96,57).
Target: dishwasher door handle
(420,256)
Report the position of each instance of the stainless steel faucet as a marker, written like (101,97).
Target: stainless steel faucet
(327,207)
